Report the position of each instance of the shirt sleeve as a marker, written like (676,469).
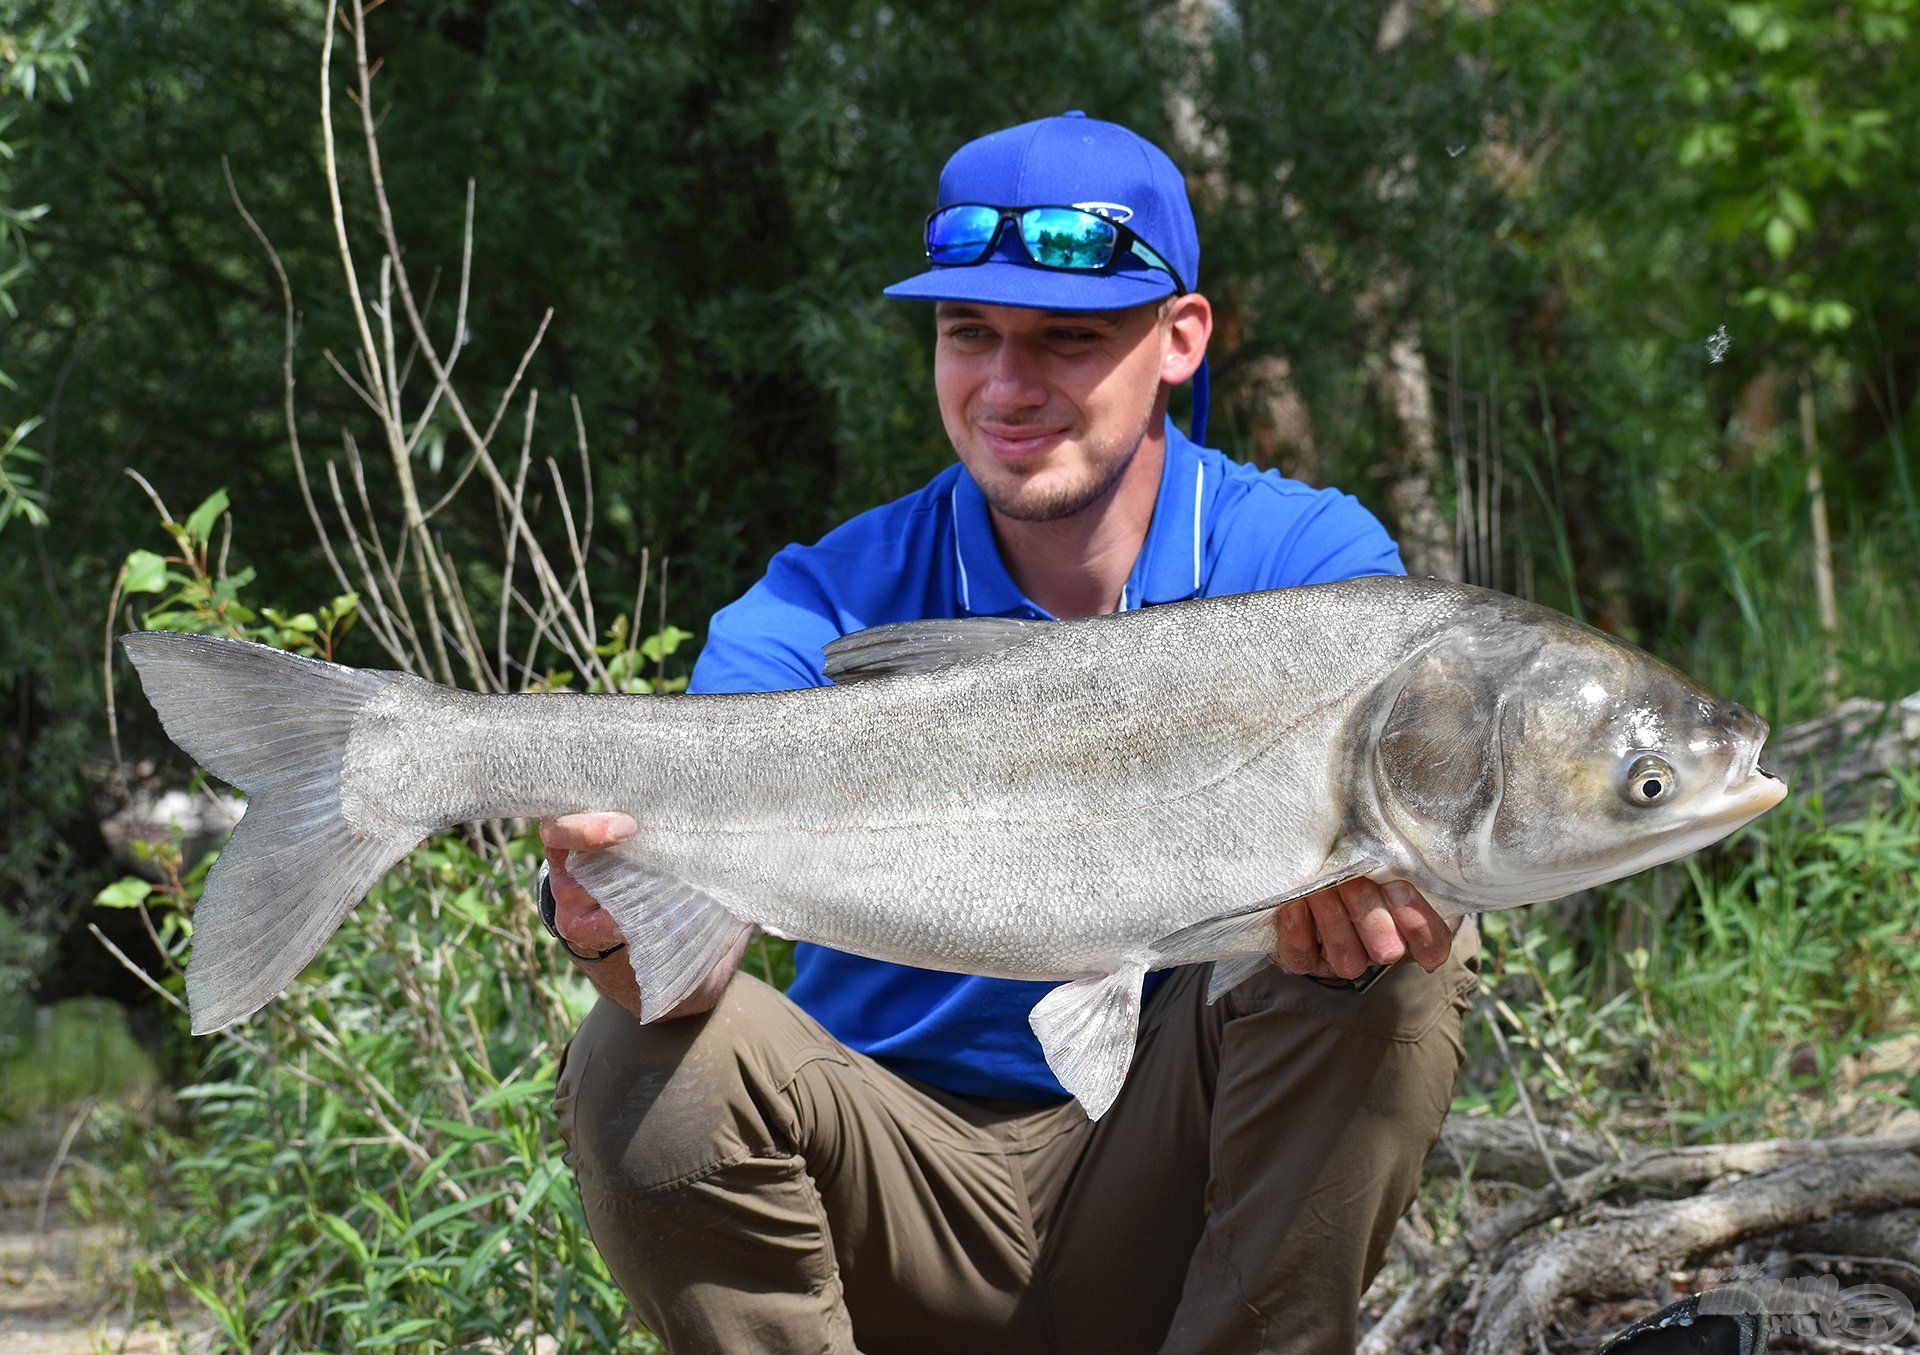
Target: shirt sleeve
(770,639)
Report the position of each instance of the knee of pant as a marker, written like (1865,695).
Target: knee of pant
(646,1106)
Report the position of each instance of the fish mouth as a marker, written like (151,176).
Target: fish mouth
(1754,792)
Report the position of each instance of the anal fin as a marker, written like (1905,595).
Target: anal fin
(1088,1029)
(675,933)
(1229,974)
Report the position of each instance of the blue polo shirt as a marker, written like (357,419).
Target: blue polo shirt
(1218,527)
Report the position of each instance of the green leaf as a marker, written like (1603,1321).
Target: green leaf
(1747,20)
(128,892)
(427,1222)
(1829,317)
(1779,237)
(1795,209)
(210,1091)
(657,647)
(344,1233)
(145,573)
(538,1184)
(199,523)
(511,1093)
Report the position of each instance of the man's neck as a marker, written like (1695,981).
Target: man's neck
(1078,565)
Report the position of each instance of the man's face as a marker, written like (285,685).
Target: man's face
(1047,408)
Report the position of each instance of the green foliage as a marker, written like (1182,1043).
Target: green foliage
(1718,997)
(196,592)
(1560,201)
(18,496)
(41,60)
(372,1162)
(75,1049)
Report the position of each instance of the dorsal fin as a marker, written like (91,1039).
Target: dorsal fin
(922,646)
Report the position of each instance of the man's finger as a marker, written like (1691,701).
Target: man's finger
(1427,935)
(1338,942)
(585,924)
(1299,950)
(585,832)
(1366,908)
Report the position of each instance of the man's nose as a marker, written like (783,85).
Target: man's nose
(1014,381)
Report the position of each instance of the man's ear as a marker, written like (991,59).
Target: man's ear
(1189,323)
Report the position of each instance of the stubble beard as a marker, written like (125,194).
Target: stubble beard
(1050,501)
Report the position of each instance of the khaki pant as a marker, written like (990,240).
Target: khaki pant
(756,1186)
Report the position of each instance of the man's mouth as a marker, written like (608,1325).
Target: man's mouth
(1019,442)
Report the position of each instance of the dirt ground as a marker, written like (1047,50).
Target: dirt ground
(60,1289)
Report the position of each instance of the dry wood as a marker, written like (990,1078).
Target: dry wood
(1857,740)
(1489,1149)
(1892,1235)
(1627,1253)
(1657,1170)
(1822,543)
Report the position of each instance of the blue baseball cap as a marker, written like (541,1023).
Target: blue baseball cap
(1067,161)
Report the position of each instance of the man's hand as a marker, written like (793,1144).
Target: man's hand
(1336,933)
(589,929)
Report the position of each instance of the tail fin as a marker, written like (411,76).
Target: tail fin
(275,725)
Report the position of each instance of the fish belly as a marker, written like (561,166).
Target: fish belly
(1008,900)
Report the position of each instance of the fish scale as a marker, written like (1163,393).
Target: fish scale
(1081,801)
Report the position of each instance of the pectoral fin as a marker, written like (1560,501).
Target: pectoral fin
(675,933)
(1240,941)
(1087,1030)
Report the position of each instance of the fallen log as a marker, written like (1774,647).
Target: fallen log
(1628,1252)
(1892,1236)
(1658,1170)
(1857,741)
(1487,1148)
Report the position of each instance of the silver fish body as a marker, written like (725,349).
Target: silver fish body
(1079,801)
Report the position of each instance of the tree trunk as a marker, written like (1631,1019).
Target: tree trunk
(1397,371)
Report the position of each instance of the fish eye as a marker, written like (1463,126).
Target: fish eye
(1649,780)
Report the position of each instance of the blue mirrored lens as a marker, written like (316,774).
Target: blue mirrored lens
(1065,237)
(961,234)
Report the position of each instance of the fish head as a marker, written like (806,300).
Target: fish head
(1520,756)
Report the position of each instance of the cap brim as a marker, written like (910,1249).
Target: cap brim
(999,283)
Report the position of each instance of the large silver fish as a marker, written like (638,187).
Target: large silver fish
(1081,800)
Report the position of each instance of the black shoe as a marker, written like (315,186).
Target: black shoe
(1718,1322)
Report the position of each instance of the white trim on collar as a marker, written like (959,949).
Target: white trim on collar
(959,560)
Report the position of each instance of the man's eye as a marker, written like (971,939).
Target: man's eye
(966,333)
(1074,336)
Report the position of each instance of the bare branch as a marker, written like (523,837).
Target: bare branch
(1629,1252)
(473,457)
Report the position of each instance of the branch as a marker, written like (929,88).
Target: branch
(1658,1169)
(1628,1253)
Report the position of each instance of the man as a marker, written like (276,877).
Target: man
(880,1160)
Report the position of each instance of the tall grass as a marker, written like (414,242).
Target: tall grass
(1718,997)
(372,1163)
(1741,991)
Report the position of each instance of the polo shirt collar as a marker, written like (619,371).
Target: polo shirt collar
(1166,570)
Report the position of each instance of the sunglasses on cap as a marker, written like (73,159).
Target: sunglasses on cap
(1069,239)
